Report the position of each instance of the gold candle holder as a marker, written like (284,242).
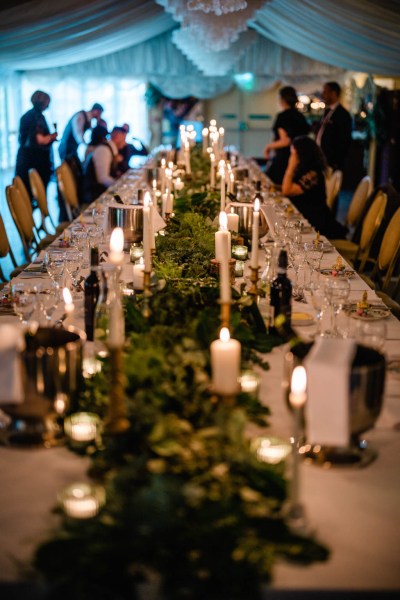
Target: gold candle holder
(225,314)
(116,420)
(254,279)
(167,217)
(147,293)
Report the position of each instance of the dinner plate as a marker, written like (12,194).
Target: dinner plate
(374,313)
(302,318)
(344,273)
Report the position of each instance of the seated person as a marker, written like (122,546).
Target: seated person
(101,167)
(304,184)
(129,150)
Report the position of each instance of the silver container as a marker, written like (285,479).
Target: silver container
(51,367)
(130,219)
(367,383)
(245,212)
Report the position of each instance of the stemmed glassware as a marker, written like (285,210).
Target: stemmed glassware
(296,255)
(54,262)
(318,300)
(337,292)
(73,263)
(24,301)
(314,252)
(49,300)
(80,240)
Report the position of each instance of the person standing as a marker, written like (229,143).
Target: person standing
(75,130)
(101,166)
(334,132)
(289,123)
(35,142)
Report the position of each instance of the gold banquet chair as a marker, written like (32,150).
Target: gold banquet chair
(358,253)
(23,219)
(39,194)
(333,185)
(358,202)
(68,190)
(5,250)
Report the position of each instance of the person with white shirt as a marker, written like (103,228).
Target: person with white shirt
(101,166)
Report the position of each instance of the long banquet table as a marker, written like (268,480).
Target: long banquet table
(355,512)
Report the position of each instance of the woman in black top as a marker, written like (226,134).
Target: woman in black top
(35,139)
(304,184)
(289,124)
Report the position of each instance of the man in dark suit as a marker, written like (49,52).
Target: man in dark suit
(334,133)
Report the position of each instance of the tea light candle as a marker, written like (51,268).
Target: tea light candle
(225,363)
(82,427)
(222,238)
(68,303)
(255,230)
(233,221)
(249,382)
(117,246)
(271,450)
(136,252)
(240,252)
(90,366)
(138,275)
(81,500)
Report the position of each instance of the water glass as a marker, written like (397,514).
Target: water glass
(314,252)
(54,262)
(337,292)
(296,255)
(371,334)
(24,301)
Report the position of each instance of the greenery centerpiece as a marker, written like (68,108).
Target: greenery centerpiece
(188,504)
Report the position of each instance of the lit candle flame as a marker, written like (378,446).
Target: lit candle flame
(117,240)
(256,205)
(223,221)
(224,335)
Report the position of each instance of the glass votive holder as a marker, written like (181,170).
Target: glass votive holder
(82,500)
(249,383)
(239,268)
(271,450)
(90,366)
(61,403)
(136,252)
(82,427)
(240,252)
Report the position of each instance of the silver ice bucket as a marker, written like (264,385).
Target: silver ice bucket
(245,212)
(130,219)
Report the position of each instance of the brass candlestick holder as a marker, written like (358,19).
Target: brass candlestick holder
(225,314)
(116,420)
(254,279)
(147,293)
(167,217)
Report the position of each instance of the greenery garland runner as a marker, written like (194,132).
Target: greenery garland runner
(188,503)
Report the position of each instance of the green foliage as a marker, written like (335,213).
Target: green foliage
(187,500)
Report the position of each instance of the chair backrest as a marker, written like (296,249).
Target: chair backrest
(22,217)
(333,185)
(20,185)
(39,192)
(358,201)
(370,226)
(67,185)
(389,252)
(4,243)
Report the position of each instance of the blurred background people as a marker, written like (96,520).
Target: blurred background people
(75,129)
(289,123)
(304,184)
(35,141)
(334,131)
(102,164)
(137,148)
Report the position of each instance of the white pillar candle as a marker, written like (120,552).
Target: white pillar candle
(163,164)
(231,182)
(233,221)
(117,246)
(222,238)
(147,233)
(116,329)
(68,303)
(221,132)
(225,363)
(204,133)
(215,144)
(255,230)
(297,396)
(212,170)
(138,275)
(222,176)
(187,158)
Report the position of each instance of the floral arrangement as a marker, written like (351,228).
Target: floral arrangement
(189,507)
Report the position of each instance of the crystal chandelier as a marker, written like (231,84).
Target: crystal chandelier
(214,24)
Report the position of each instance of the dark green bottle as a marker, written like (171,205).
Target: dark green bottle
(92,290)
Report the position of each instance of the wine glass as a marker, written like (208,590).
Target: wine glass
(371,334)
(318,300)
(98,215)
(80,240)
(49,299)
(24,301)
(73,263)
(314,252)
(296,255)
(337,292)
(54,262)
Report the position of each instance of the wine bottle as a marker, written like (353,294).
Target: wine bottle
(92,289)
(281,290)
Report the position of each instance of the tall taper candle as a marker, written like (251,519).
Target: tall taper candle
(254,239)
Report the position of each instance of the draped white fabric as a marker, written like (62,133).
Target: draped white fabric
(360,35)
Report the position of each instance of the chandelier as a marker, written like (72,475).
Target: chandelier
(212,24)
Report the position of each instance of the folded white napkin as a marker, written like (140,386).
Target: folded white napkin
(270,215)
(328,367)
(11,343)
